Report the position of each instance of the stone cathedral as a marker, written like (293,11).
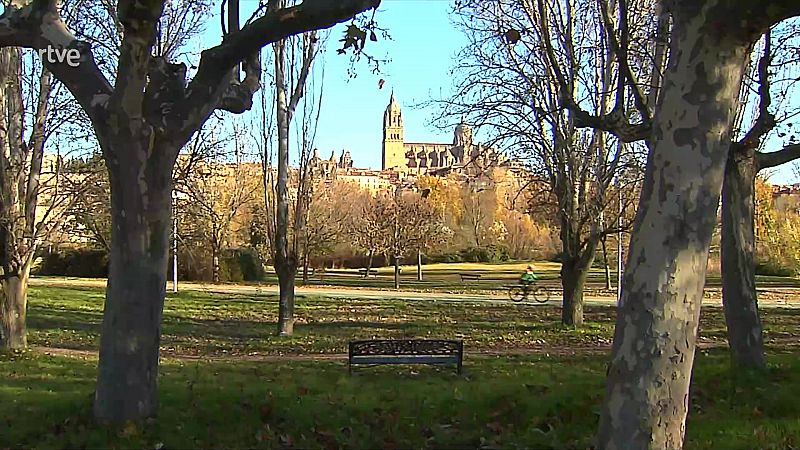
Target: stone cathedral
(434,158)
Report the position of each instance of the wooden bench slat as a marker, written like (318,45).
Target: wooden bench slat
(470,276)
(406,359)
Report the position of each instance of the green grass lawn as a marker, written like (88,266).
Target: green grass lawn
(542,391)
(499,402)
(495,278)
(445,277)
(199,323)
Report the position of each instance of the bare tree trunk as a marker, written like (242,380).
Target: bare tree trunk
(574,271)
(647,388)
(131,331)
(13,307)
(285,256)
(605,263)
(305,265)
(739,299)
(286,274)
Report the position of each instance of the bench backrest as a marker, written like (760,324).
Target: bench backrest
(406,347)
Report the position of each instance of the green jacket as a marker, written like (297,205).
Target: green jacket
(528,277)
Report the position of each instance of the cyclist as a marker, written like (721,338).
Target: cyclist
(528,278)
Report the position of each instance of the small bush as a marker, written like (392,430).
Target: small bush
(490,254)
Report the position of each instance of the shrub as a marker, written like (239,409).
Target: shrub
(773,268)
(75,262)
(490,254)
(241,264)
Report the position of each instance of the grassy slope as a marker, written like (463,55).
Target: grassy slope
(502,402)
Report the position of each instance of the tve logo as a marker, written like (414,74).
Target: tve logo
(68,56)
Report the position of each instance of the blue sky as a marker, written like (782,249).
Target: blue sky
(421,51)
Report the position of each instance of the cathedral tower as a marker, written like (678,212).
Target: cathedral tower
(394,155)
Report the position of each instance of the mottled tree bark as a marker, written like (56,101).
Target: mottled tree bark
(286,273)
(739,299)
(647,389)
(140,174)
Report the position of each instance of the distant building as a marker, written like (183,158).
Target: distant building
(461,156)
(786,196)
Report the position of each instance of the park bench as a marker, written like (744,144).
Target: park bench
(371,271)
(405,351)
(470,276)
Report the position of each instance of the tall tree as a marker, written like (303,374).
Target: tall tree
(770,73)
(330,214)
(141,121)
(34,199)
(368,227)
(293,61)
(512,83)
(408,222)
(20,170)
(647,387)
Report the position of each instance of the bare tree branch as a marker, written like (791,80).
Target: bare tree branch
(38,25)
(774,159)
(217,62)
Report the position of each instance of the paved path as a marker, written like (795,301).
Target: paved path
(787,300)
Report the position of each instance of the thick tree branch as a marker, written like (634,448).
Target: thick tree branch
(139,19)
(214,73)
(765,121)
(613,123)
(620,49)
(38,25)
(774,159)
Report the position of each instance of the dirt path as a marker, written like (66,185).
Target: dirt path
(768,297)
(256,357)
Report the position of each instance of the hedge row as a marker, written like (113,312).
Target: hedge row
(235,265)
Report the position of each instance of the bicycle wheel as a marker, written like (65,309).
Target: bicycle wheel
(541,294)
(516,293)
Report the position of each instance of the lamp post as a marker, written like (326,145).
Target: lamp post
(175,196)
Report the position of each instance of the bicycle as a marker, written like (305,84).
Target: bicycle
(520,292)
